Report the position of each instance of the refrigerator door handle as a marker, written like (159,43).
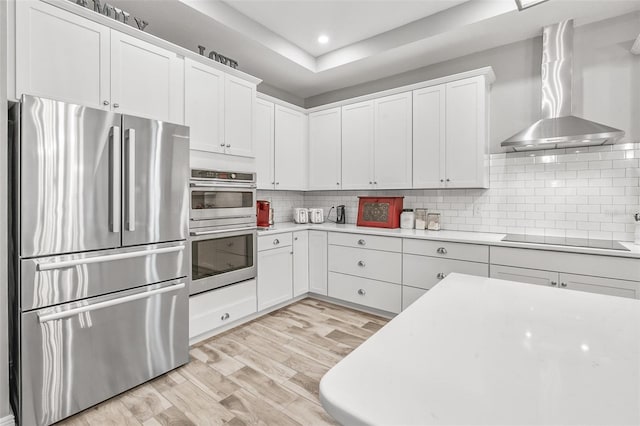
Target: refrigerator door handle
(131,179)
(101,305)
(105,258)
(114,179)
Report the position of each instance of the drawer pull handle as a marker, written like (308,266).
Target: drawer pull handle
(361,292)
(362,242)
(563,284)
(441,275)
(276,242)
(361,263)
(554,283)
(441,250)
(225,317)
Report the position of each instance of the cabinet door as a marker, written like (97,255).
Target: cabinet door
(264,141)
(290,140)
(146,80)
(357,146)
(609,286)
(300,263)
(318,268)
(61,56)
(392,142)
(410,295)
(204,106)
(466,134)
(524,275)
(429,137)
(275,277)
(324,149)
(239,98)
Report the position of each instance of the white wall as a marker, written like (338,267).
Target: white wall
(606,79)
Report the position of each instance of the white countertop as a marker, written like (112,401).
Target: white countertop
(453,236)
(484,351)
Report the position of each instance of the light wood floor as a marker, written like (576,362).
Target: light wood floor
(263,372)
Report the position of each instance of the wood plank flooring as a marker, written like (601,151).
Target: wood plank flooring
(265,372)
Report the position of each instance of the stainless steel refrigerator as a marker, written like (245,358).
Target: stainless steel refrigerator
(99,218)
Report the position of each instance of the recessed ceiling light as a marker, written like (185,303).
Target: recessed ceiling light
(323,39)
(525,4)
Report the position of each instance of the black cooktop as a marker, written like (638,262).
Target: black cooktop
(565,241)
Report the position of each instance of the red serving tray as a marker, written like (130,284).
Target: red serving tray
(380,212)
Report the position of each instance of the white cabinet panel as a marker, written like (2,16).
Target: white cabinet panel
(523,275)
(318,262)
(268,242)
(410,295)
(300,263)
(290,149)
(325,136)
(373,242)
(275,277)
(367,292)
(61,56)
(448,250)
(374,264)
(204,106)
(357,145)
(393,142)
(263,131)
(146,80)
(429,137)
(425,272)
(609,286)
(239,101)
(466,134)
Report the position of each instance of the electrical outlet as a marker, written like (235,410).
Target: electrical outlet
(477,210)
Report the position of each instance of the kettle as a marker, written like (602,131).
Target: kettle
(341,215)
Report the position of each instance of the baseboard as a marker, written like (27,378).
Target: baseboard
(7,421)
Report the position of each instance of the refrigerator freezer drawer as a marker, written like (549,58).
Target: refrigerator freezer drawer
(52,280)
(76,355)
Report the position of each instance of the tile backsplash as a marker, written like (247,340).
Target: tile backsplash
(585,193)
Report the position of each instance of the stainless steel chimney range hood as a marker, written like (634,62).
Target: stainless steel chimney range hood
(558,128)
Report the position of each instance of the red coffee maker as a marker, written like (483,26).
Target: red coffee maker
(263,208)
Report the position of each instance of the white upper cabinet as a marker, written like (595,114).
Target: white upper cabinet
(61,56)
(392,142)
(239,98)
(466,134)
(429,137)
(357,145)
(204,106)
(324,149)
(263,131)
(290,149)
(146,80)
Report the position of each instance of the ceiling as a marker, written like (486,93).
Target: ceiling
(276,40)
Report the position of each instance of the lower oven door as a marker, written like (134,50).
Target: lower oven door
(81,353)
(221,257)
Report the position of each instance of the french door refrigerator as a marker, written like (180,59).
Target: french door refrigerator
(99,217)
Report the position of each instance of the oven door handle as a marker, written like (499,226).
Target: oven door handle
(221,231)
(233,185)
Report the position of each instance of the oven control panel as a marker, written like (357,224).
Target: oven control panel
(224,176)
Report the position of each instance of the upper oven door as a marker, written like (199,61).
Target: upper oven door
(215,201)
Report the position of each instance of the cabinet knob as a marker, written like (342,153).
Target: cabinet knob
(228,145)
(116,105)
(441,250)
(277,183)
(361,292)
(222,144)
(441,275)
(563,284)
(362,242)
(276,242)
(370,182)
(375,182)
(361,263)
(554,283)
(448,180)
(295,238)
(225,317)
(441,180)
(105,102)
(273,183)
(338,183)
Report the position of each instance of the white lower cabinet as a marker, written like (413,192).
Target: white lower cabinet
(410,295)
(275,276)
(300,263)
(367,292)
(318,267)
(523,275)
(213,309)
(425,272)
(374,264)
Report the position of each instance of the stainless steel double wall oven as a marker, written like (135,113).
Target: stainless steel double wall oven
(99,221)
(222,228)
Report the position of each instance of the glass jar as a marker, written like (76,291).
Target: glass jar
(433,221)
(407,219)
(421,218)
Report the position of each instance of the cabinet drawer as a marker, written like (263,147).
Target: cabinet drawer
(267,242)
(571,263)
(410,295)
(366,241)
(611,287)
(425,272)
(523,275)
(443,249)
(213,309)
(378,265)
(371,293)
